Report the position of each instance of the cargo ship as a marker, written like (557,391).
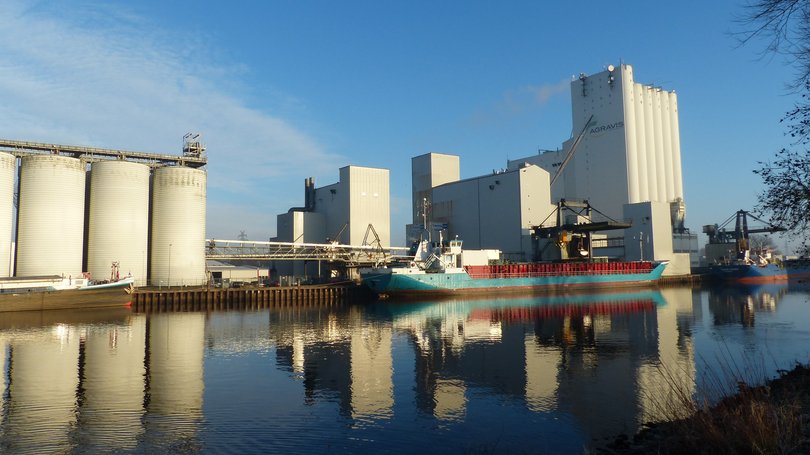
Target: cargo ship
(749,273)
(59,293)
(762,270)
(62,293)
(734,259)
(438,270)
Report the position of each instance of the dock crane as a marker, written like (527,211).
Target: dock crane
(573,238)
(741,234)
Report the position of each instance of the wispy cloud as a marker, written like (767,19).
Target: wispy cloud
(519,101)
(105,77)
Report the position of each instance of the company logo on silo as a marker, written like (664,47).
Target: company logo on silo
(599,129)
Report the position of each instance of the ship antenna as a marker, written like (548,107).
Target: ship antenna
(425,205)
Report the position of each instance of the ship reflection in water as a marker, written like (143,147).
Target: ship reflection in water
(552,374)
(739,304)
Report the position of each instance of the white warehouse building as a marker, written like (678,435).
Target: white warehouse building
(344,212)
(493,211)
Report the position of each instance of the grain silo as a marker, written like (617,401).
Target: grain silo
(178,227)
(118,221)
(8,167)
(50,230)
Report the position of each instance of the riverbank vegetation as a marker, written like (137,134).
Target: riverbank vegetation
(773,418)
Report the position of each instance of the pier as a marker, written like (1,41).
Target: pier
(205,299)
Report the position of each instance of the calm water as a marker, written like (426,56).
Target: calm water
(540,375)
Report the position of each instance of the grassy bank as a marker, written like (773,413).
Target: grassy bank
(769,419)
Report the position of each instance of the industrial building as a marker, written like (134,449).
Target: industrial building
(493,211)
(226,275)
(354,211)
(81,209)
(628,152)
(429,171)
(630,143)
(624,159)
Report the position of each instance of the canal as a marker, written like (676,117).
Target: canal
(553,374)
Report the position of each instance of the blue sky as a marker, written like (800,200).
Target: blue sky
(282,91)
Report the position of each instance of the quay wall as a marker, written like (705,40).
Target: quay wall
(206,299)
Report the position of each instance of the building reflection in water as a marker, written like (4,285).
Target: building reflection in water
(175,375)
(739,304)
(670,375)
(561,353)
(340,356)
(113,384)
(606,362)
(625,350)
(98,383)
(372,368)
(43,379)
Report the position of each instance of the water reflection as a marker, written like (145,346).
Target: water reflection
(739,304)
(567,353)
(568,369)
(175,374)
(93,384)
(112,385)
(43,379)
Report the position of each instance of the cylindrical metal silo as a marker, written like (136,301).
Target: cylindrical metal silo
(641,144)
(8,168)
(649,137)
(630,135)
(118,221)
(50,232)
(178,227)
(676,145)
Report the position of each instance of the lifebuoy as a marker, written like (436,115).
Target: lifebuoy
(413,264)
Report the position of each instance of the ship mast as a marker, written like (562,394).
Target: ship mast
(425,206)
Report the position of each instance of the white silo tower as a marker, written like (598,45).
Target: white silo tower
(178,227)
(118,221)
(8,168)
(50,230)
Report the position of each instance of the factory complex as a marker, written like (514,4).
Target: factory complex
(74,211)
(623,166)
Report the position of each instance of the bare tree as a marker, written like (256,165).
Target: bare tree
(762,243)
(787,190)
(785,25)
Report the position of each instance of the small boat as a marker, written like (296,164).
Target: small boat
(60,293)
(439,271)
